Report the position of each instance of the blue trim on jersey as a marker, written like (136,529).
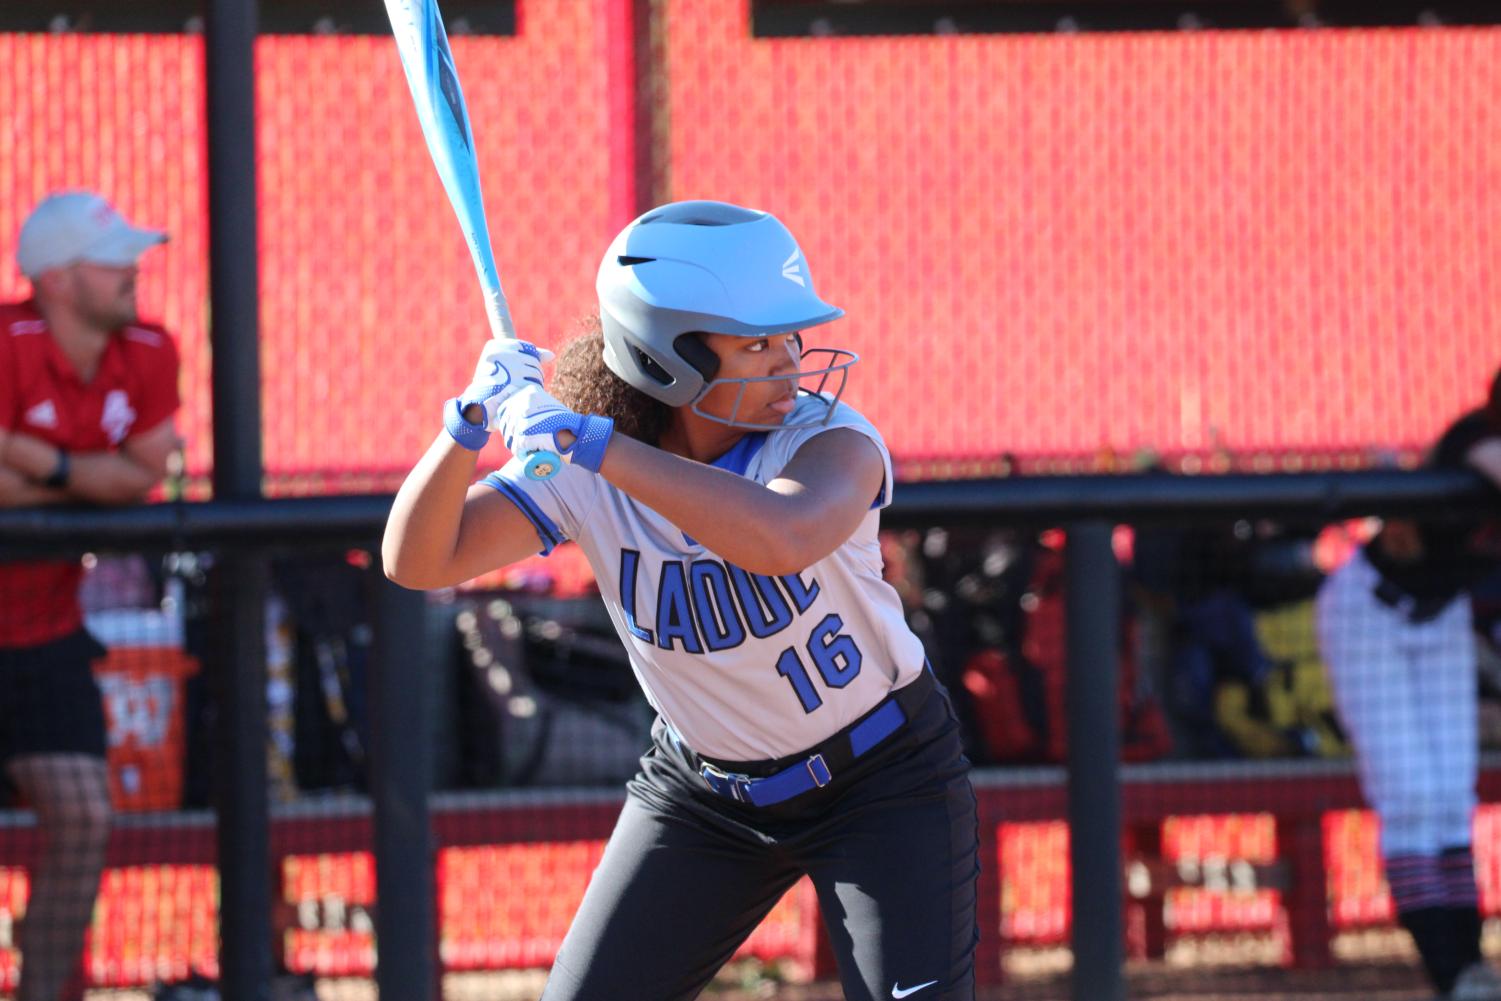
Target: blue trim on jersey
(737,459)
(547,530)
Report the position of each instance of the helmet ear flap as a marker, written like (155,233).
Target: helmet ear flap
(648,364)
(691,348)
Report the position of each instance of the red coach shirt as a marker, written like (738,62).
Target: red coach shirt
(41,395)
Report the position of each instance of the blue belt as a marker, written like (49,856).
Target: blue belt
(814,771)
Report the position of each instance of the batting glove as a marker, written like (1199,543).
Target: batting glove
(532,420)
(504,367)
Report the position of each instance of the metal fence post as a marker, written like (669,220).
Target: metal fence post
(240,585)
(243,581)
(406,931)
(1092,601)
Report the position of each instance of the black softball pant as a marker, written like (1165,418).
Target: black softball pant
(891,848)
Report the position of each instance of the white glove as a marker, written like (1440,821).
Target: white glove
(532,421)
(504,367)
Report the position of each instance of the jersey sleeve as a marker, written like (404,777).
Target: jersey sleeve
(784,444)
(159,368)
(557,508)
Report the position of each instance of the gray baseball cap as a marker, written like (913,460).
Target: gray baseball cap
(72,226)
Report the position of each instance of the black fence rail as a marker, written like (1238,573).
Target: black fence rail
(1052,500)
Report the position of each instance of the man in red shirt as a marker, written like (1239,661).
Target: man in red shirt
(87,397)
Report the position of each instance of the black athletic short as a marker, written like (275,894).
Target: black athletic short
(891,844)
(49,701)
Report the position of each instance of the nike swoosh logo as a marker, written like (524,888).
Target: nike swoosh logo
(899,992)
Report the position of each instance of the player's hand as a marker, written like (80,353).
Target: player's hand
(531,420)
(504,367)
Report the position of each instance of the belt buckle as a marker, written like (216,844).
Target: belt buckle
(819,770)
(739,783)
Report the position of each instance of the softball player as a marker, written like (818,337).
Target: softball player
(731,520)
(1395,630)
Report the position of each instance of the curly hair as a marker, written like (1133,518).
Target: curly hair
(583,383)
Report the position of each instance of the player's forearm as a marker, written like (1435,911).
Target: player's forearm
(422,531)
(752,526)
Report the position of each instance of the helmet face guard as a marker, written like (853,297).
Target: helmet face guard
(826,382)
(701,267)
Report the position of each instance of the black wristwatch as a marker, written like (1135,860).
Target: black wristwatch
(59,477)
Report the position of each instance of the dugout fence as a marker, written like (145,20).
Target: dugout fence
(474,878)
(326,840)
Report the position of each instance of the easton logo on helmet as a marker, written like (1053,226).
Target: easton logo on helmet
(791,270)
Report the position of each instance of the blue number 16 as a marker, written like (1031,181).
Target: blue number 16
(834,654)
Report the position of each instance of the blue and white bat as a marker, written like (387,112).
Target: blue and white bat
(423,46)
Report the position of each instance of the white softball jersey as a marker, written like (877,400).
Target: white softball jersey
(744,667)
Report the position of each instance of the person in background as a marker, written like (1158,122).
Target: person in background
(87,398)
(1396,631)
